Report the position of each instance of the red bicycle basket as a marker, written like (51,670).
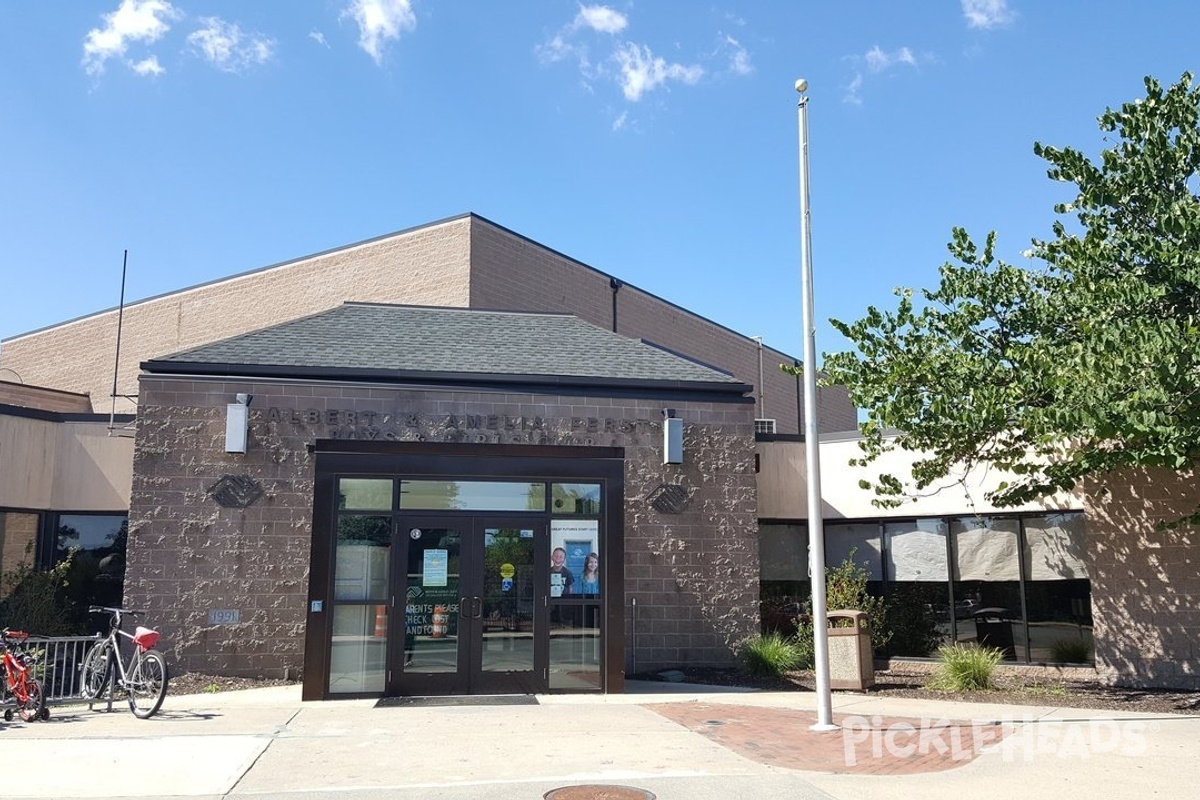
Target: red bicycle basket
(144,637)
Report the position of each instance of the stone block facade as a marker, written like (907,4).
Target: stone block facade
(1145,578)
(693,575)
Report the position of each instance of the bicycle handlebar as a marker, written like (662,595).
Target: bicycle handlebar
(107,609)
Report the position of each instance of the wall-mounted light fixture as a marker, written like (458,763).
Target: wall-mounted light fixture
(672,437)
(237,423)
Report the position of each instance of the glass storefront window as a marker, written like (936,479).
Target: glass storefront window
(917,585)
(357,658)
(917,550)
(864,541)
(575,646)
(784,588)
(1057,589)
(987,584)
(575,498)
(472,496)
(361,559)
(97,573)
(365,494)
(982,559)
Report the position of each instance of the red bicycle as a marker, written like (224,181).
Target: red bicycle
(21,689)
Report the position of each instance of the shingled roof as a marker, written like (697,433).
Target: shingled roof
(394,342)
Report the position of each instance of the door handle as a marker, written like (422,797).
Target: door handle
(478,607)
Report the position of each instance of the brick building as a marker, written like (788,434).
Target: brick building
(429,417)
(244,558)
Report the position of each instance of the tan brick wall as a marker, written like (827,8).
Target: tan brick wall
(18,532)
(426,266)
(1145,581)
(463,262)
(16,394)
(511,273)
(694,575)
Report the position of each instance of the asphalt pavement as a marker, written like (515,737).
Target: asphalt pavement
(668,741)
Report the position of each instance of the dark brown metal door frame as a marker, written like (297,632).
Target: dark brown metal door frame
(469,678)
(341,458)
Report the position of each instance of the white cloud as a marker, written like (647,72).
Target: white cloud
(852,96)
(379,21)
(619,122)
(987,13)
(558,48)
(878,61)
(148,66)
(318,37)
(642,71)
(561,46)
(739,59)
(226,47)
(633,66)
(133,21)
(601,19)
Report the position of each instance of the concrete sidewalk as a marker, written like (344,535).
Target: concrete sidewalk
(675,741)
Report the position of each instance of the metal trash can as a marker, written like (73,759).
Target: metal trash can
(851,662)
(994,628)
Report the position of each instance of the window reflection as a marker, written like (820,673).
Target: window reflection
(472,496)
(95,544)
(361,568)
(980,561)
(575,647)
(575,498)
(365,494)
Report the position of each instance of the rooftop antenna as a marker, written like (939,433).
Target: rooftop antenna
(112,414)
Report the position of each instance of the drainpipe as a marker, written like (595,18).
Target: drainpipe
(760,411)
(615,285)
(799,397)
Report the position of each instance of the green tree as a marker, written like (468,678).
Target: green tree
(1088,363)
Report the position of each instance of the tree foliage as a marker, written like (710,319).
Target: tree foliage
(1086,364)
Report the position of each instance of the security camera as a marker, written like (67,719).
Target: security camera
(801,85)
(244,398)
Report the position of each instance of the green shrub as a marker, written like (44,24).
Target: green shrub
(771,654)
(846,589)
(805,643)
(1071,651)
(965,668)
(36,601)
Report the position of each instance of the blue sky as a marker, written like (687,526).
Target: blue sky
(653,140)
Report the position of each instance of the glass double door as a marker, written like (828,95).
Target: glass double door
(470,594)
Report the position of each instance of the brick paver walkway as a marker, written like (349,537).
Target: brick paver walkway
(865,745)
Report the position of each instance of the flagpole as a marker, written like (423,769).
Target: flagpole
(812,441)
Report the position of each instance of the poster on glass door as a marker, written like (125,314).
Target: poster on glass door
(574,558)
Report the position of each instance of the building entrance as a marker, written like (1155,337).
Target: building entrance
(451,569)
(471,597)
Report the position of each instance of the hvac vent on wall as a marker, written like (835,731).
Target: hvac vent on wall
(764,426)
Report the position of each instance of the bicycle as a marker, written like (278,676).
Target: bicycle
(143,677)
(19,683)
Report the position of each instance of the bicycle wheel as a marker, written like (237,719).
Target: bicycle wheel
(35,701)
(147,684)
(94,674)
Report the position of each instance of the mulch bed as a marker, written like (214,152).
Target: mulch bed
(899,683)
